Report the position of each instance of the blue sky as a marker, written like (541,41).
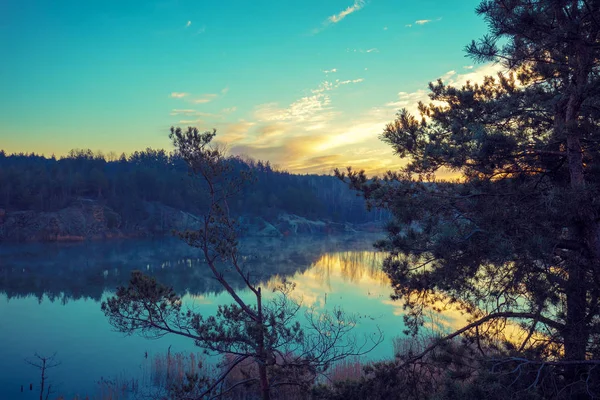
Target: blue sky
(307,84)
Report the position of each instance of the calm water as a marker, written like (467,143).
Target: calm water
(50,300)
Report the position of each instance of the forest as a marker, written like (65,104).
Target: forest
(37,183)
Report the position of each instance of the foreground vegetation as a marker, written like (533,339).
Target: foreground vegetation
(455,370)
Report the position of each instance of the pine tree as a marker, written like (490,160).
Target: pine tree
(260,330)
(519,236)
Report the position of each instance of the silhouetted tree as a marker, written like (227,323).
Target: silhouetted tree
(519,237)
(43,363)
(264,331)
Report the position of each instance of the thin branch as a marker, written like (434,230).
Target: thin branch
(479,322)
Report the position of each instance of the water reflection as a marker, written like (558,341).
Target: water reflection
(50,294)
(64,272)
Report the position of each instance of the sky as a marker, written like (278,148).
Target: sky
(308,85)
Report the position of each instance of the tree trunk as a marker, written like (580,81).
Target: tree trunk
(262,355)
(43,378)
(264,380)
(576,334)
(574,149)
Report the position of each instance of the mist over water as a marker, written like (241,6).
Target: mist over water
(50,297)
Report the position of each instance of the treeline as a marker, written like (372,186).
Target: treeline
(35,182)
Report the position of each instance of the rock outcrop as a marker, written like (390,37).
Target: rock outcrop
(290,224)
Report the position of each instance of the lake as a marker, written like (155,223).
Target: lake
(50,297)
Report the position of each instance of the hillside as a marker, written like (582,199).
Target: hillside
(87,196)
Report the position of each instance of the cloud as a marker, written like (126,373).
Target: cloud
(191,121)
(205,114)
(358,4)
(310,135)
(328,71)
(205,98)
(322,164)
(306,109)
(312,111)
(289,152)
(349,81)
(188,24)
(423,21)
(178,95)
(334,19)
(287,138)
(271,131)
(410,100)
(371,50)
(232,132)
(385,28)
(177,111)
(468,67)
(208,97)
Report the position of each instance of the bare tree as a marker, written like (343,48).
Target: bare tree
(44,363)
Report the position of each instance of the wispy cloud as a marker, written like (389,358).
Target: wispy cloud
(311,111)
(350,81)
(229,110)
(177,111)
(308,109)
(311,135)
(232,132)
(188,24)
(335,18)
(371,50)
(411,100)
(315,109)
(358,4)
(423,22)
(178,95)
(191,121)
(468,67)
(205,98)
(326,86)
(329,71)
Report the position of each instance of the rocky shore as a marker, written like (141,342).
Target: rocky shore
(91,220)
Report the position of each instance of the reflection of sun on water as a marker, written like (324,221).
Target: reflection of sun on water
(334,273)
(354,281)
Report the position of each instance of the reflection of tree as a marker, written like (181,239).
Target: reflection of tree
(353,266)
(71,272)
